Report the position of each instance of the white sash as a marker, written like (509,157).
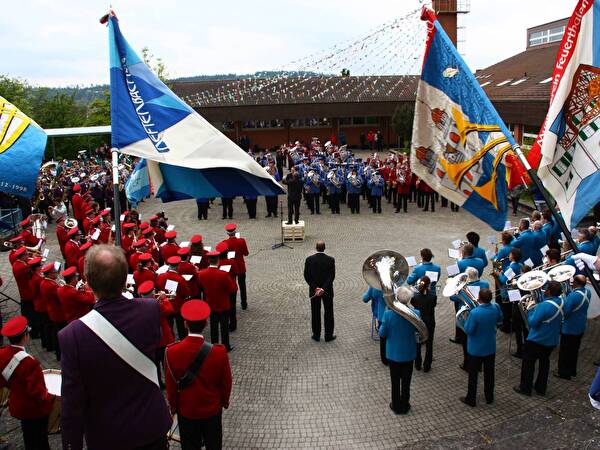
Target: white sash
(559,311)
(120,345)
(585,297)
(13,364)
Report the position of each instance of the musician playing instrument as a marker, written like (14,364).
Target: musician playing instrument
(375,296)
(401,346)
(22,274)
(403,181)
(526,241)
(334,189)
(312,186)
(478,252)
(231,267)
(198,377)
(480,329)
(573,327)
(354,185)
(503,277)
(49,292)
(375,185)
(470,260)
(425,302)
(29,399)
(544,332)
(76,300)
(425,266)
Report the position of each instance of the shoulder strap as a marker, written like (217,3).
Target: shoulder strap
(559,310)
(13,364)
(192,371)
(118,343)
(585,297)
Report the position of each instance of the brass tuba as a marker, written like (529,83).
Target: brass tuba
(387,270)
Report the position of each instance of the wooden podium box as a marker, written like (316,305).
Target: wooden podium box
(293,232)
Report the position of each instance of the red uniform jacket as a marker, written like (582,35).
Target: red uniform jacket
(167,250)
(61,235)
(217,286)
(12,257)
(238,245)
(183,291)
(166,310)
(187,268)
(34,284)
(159,234)
(22,275)
(133,260)
(104,232)
(49,292)
(233,272)
(72,253)
(86,225)
(29,238)
(153,249)
(144,275)
(210,391)
(126,242)
(75,303)
(29,398)
(80,266)
(78,203)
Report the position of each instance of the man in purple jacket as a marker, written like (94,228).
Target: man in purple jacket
(110,395)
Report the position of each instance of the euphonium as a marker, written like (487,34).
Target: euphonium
(387,270)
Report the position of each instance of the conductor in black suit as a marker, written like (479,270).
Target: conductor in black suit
(319,273)
(294,195)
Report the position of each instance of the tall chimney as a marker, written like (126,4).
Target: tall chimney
(447,11)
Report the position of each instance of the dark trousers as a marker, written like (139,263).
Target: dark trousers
(429,196)
(56,327)
(454,207)
(195,433)
(474,366)
(232,311)
(507,312)
(159,444)
(515,204)
(354,203)
(315,307)
(181,330)
(533,353)
(159,358)
(313,203)
(382,355)
(271,202)
(202,210)
(376,203)
(241,279)
(401,374)
(568,353)
(462,338)
(227,207)
(219,320)
(428,349)
(293,208)
(29,313)
(334,202)
(402,202)
(35,433)
(518,325)
(251,207)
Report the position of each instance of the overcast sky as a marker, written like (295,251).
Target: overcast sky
(59,42)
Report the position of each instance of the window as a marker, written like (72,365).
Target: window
(485,84)
(345,120)
(372,121)
(276,123)
(504,82)
(311,122)
(358,121)
(518,82)
(546,81)
(544,36)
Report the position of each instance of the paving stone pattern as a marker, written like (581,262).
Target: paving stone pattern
(291,392)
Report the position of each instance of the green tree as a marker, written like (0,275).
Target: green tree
(402,122)
(16,91)
(158,66)
(98,111)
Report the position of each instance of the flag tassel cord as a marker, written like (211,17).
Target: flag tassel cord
(550,202)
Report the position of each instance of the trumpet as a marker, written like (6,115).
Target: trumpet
(81,285)
(169,295)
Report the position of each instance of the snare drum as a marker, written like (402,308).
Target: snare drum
(53,380)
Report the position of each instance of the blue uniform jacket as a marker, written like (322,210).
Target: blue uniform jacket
(596,242)
(527,243)
(376,189)
(471,261)
(516,268)
(540,240)
(540,330)
(503,255)
(482,285)
(576,307)
(547,229)
(478,252)
(377,302)
(354,189)
(481,329)
(419,271)
(587,247)
(333,188)
(401,343)
(312,188)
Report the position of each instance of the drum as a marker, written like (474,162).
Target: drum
(53,380)
(173,434)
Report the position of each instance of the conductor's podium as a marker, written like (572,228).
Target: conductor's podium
(293,232)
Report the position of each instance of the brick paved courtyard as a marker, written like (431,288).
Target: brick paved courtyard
(291,392)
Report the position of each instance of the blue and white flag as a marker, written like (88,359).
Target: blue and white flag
(568,145)
(22,145)
(187,157)
(137,187)
(459,141)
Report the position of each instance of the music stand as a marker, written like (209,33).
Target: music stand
(281,244)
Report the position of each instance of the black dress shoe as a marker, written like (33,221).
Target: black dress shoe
(518,390)
(268,215)
(454,341)
(315,338)
(392,408)
(517,355)
(559,375)
(426,369)
(466,402)
(417,366)
(244,306)
(230,348)
(288,223)
(490,401)
(462,366)
(297,222)
(330,338)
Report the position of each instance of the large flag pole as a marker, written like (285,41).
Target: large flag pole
(559,219)
(116,196)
